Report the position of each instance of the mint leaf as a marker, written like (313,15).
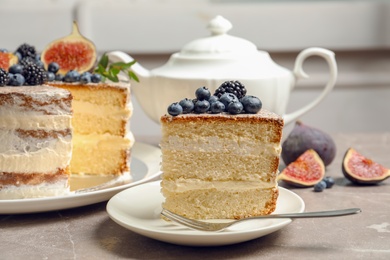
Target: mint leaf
(111,72)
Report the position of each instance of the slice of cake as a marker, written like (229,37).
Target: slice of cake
(102,139)
(221,165)
(35,137)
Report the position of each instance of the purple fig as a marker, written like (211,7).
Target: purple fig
(303,138)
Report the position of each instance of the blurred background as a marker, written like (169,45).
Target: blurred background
(151,30)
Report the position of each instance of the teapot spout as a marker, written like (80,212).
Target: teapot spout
(119,56)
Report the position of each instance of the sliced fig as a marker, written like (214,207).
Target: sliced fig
(361,170)
(303,138)
(72,52)
(7,59)
(306,171)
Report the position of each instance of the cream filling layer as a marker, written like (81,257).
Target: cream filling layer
(32,121)
(241,146)
(106,140)
(184,185)
(102,110)
(45,157)
(35,191)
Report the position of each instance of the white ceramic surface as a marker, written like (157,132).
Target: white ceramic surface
(220,57)
(145,166)
(141,214)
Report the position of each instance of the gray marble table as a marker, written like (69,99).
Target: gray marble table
(88,232)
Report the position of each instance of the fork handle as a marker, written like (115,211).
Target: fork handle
(315,214)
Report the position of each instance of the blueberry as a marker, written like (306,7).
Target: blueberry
(175,109)
(251,104)
(3,50)
(51,76)
(235,107)
(37,57)
(17,68)
(85,78)
(227,98)
(213,98)
(96,78)
(72,76)
(187,105)
(217,107)
(201,106)
(202,93)
(16,79)
(329,182)
(53,67)
(320,186)
(59,77)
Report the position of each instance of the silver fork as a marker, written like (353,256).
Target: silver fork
(213,226)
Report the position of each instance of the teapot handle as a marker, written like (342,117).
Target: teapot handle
(329,56)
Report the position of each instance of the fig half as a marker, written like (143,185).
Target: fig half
(72,52)
(7,59)
(361,170)
(306,171)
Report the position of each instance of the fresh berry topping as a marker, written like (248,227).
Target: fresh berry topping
(320,186)
(3,50)
(201,106)
(329,182)
(233,87)
(85,78)
(72,76)
(53,67)
(227,98)
(175,109)
(202,93)
(96,78)
(27,50)
(217,107)
(34,75)
(187,105)
(16,79)
(235,107)
(251,104)
(3,77)
(17,68)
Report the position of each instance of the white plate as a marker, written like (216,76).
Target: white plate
(145,166)
(141,214)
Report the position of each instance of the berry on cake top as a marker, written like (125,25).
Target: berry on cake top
(230,97)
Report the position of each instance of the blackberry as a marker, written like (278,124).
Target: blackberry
(234,87)
(27,60)
(27,50)
(3,77)
(34,75)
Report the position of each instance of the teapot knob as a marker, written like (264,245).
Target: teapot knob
(219,25)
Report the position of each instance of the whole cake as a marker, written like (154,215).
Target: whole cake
(97,136)
(35,137)
(220,163)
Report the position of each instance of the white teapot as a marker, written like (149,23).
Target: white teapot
(220,57)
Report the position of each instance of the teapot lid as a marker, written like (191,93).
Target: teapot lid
(219,42)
